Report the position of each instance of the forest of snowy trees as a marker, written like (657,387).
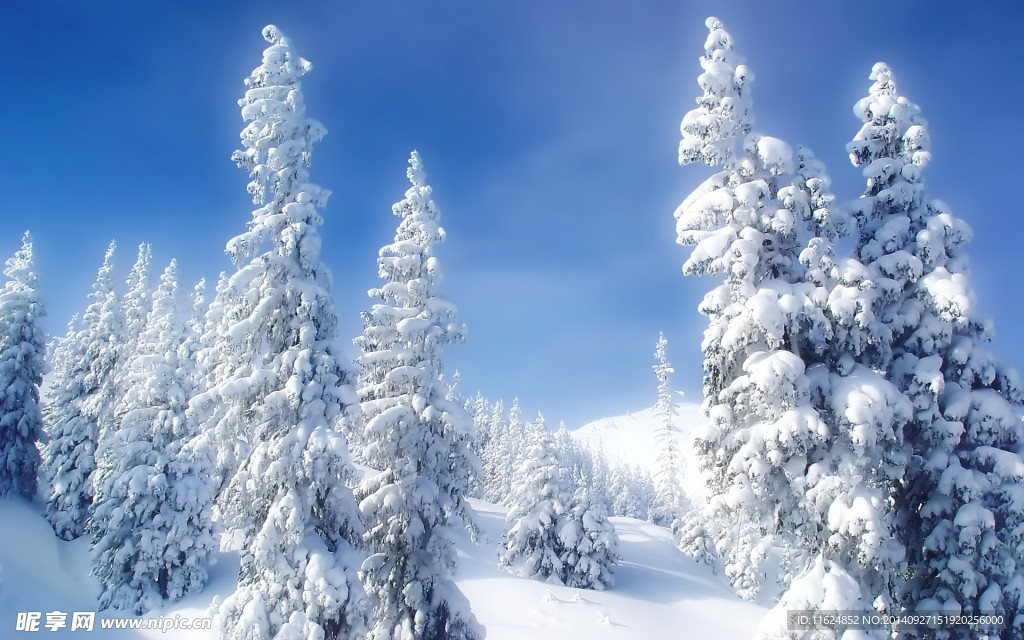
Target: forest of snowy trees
(862,438)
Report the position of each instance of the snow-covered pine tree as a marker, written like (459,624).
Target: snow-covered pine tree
(637,496)
(22,348)
(135,304)
(480,413)
(598,477)
(543,491)
(137,300)
(216,356)
(961,504)
(741,230)
(668,471)
(209,362)
(509,454)
(574,456)
(491,454)
(590,543)
(794,420)
(191,344)
(78,403)
(556,531)
(288,506)
(151,514)
(417,438)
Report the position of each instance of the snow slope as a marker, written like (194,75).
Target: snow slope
(659,593)
(632,439)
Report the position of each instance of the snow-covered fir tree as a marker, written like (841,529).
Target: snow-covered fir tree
(591,545)
(556,532)
(22,348)
(577,460)
(216,356)
(531,547)
(491,451)
(135,304)
(416,437)
(480,413)
(288,506)
(78,406)
(962,499)
(631,492)
(598,475)
(668,471)
(738,230)
(151,514)
(191,344)
(794,420)
(504,455)
(137,298)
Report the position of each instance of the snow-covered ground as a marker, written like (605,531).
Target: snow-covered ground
(658,593)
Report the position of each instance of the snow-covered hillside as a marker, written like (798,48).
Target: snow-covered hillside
(657,588)
(632,439)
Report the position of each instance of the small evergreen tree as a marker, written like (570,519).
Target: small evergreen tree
(22,346)
(509,450)
(590,542)
(416,436)
(492,454)
(531,547)
(556,532)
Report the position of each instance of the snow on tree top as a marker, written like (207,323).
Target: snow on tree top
(273,35)
(417,176)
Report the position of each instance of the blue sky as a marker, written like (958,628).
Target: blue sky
(549,133)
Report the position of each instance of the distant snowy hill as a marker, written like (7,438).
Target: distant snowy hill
(632,439)
(658,593)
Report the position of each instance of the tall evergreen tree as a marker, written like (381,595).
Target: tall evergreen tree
(668,471)
(741,230)
(804,443)
(288,506)
(962,497)
(151,514)
(417,438)
(22,347)
(493,454)
(138,294)
(79,404)
(217,355)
